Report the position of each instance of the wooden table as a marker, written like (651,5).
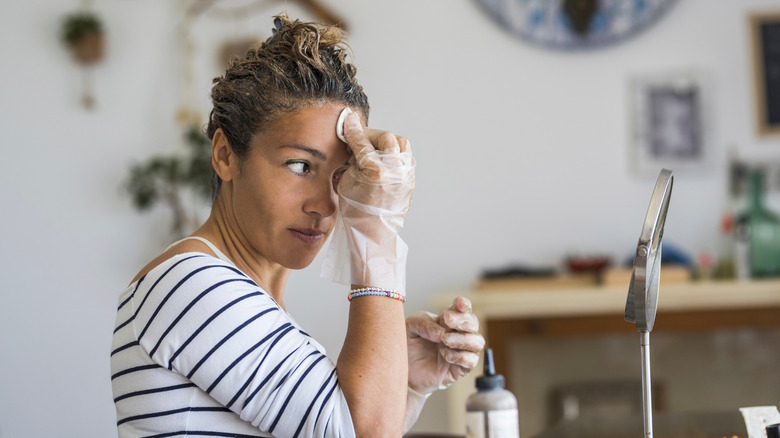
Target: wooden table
(507,315)
(665,425)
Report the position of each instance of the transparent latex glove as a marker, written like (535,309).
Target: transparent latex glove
(442,348)
(374,196)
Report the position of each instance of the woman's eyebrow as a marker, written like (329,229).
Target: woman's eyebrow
(315,152)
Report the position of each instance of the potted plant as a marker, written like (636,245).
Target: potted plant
(167,179)
(83,33)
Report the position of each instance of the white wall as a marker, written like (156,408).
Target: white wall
(522,157)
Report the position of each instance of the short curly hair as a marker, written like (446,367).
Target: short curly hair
(300,65)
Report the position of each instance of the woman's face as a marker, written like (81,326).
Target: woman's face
(284,193)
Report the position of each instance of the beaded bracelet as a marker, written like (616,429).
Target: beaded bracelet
(363,291)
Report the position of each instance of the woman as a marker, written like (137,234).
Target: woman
(203,345)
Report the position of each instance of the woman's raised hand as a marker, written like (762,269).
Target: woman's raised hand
(374,197)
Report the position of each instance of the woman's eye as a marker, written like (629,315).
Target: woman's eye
(299,167)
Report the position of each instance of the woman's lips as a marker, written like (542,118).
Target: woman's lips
(308,235)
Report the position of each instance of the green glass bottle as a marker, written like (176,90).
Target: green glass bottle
(761,229)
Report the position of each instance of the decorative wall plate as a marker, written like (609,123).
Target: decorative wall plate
(575,24)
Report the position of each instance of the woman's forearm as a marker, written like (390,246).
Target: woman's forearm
(372,366)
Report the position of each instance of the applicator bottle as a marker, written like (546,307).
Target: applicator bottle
(491,412)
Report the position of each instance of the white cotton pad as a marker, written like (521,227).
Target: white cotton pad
(340,123)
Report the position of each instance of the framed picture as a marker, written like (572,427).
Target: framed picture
(668,115)
(765,45)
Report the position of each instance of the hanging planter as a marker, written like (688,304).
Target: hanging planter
(83,33)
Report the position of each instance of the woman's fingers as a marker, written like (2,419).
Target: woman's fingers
(384,142)
(405,145)
(424,325)
(358,142)
(461,304)
(464,322)
(366,143)
(459,317)
(366,140)
(462,343)
(473,342)
(466,359)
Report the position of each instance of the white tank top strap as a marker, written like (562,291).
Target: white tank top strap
(211,246)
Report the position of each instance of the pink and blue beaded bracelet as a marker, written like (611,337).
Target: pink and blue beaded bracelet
(363,291)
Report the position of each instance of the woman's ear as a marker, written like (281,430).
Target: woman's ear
(222,156)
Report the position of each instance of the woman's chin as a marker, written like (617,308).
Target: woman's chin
(299,263)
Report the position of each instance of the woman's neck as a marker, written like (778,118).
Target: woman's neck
(223,233)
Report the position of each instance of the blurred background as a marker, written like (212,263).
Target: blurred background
(527,156)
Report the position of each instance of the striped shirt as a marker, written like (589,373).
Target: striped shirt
(200,350)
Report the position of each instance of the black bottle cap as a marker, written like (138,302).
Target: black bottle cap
(773,431)
(489,379)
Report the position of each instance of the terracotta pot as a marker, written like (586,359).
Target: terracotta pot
(89,49)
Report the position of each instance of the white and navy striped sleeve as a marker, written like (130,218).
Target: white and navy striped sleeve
(206,320)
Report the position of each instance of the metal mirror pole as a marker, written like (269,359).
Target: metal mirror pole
(647,397)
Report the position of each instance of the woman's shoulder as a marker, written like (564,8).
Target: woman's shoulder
(180,248)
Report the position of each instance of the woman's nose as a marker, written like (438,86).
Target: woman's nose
(324,200)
